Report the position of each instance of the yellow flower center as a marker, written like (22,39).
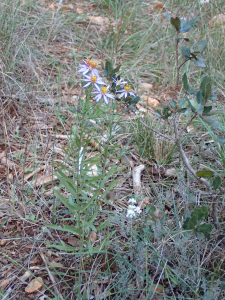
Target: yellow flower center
(91,63)
(93,79)
(127,88)
(104,90)
(88,61)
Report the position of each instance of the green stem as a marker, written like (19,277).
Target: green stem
(177,64)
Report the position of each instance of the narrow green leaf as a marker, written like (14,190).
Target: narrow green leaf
(103,225)
(199,97)
(205,173)
(66,228)
(90,248)
(199,108)
(63,248)
(67,182)
(4,222)
(108,67)
(72,207)
(206,88)
(115,70)
(185,82)
(71,229)
(211,122)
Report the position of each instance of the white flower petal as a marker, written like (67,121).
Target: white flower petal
(121,95)
(109,96)
(130,214)
(138,210)
(105,99)
(121,91)
(98,97)
(132,200)
(87,84)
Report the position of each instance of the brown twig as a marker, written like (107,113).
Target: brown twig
(185,159)
(59,296)
(188,124)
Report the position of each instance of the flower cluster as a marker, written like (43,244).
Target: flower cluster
(90,72)
(101,90)
(132,210)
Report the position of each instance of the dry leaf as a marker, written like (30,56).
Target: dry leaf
(170,172)
(2,242)
(63,7)
(153,102)
(72,241)
(158,288)
(8,163)
(93,237)
(53,6)
(99,20)
(79,10)
(35,261)
(158,5)
(191,129)
(66,7)
(149,100)
(219,19)
(34,286)
(145,86)
(127,159)
(4,283)
(55,264)
(44,179)
(143,203)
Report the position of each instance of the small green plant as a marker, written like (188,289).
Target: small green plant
(194,222)
(150,145)
(195,104)
(86,179)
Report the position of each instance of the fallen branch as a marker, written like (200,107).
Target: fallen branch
(59,296)
(137,178)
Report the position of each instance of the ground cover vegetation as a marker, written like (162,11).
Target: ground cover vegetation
(112,139)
